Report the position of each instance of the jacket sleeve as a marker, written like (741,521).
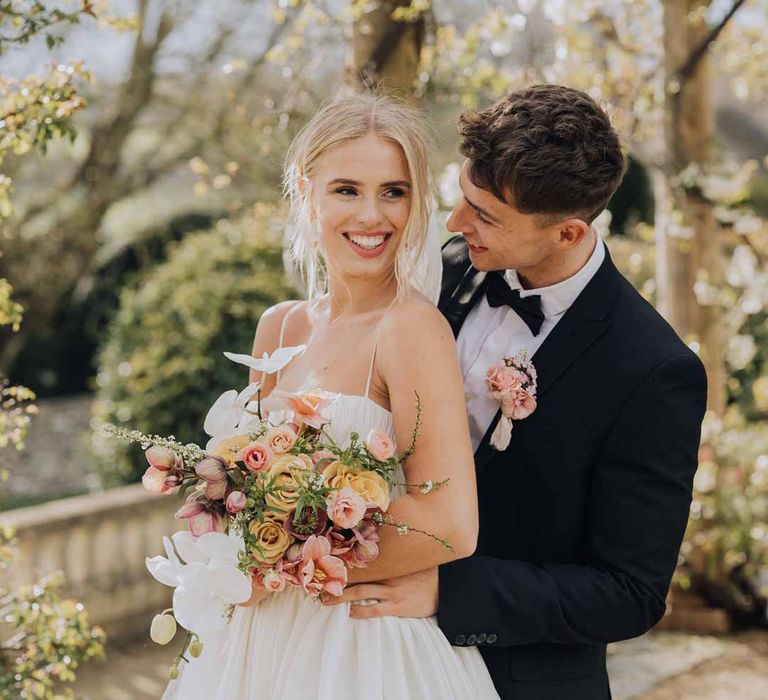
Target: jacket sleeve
(637,512)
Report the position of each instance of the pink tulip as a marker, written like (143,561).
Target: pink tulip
(236,502)
(154,480)
(379,445)
(213,470)
(202,514)
(163,458)
(321,571)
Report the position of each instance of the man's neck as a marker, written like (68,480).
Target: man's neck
(558,268)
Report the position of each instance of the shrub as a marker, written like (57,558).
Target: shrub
(161,365)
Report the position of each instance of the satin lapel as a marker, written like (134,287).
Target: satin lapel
(587,319)
(457,306)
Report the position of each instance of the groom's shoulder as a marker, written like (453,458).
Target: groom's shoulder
(456,262)
(639,324)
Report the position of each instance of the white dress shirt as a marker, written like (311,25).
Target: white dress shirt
(488,334)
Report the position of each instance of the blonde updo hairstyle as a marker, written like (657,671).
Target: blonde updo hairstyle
(338,122)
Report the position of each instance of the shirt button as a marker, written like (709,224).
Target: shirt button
(460,639)
(492,638)
(472,639)
(481,638)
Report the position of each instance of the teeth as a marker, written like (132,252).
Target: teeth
(368,242)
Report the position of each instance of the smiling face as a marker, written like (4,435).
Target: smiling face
(499,237)
(361,200)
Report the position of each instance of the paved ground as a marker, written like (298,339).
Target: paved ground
(663,666)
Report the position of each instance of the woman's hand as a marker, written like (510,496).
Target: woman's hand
(258,594)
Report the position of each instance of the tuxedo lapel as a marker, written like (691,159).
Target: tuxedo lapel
(587,319)
(457,304)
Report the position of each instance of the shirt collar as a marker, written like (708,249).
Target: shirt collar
(557,298)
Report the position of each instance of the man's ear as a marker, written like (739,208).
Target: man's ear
(572,232)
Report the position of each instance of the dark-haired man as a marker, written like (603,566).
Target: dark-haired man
(582,515)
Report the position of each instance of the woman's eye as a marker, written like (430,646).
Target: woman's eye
(345,190)
(395,193)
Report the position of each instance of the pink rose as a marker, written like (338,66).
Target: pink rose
(273,581)
(322,454)
(345,508)
(518,404)
(236,502)
(321,571)
(502,380)
(257,457)
(379,445)
(281,439)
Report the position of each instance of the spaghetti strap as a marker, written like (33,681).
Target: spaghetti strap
(375,347)
(282,330)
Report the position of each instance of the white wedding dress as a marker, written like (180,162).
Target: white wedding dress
(289,647)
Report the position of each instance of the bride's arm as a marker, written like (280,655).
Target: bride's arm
(417,354)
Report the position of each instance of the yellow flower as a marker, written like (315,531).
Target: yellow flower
(289,470)
(338,475)
(228,449)
(372,487)
(272,539)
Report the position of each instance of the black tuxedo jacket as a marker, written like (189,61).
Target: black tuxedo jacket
(582,516)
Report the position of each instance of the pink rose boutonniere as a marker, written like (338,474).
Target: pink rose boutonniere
(512,384)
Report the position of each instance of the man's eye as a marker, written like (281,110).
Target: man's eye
(482,218)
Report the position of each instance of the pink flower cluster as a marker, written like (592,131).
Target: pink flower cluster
(512,384)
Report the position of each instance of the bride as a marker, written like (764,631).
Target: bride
(360,198)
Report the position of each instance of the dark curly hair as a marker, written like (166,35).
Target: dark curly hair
(547,149)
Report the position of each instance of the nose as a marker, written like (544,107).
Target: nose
(458,221)
(369,213)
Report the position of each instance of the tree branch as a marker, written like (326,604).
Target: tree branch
(698,53)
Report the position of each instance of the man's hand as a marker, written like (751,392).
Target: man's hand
(414,595)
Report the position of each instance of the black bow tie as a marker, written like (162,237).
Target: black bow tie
(499,293)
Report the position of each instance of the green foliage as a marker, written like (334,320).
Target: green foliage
(161,366)
(20,20)
(52,636)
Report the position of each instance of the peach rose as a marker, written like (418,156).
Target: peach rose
(256,457)
(371,487)
(281,439)
(518,404)
(271,540)
(273,581)
(337,475)
(379,445)
(228,449)
(289,471)
(502,379)
(346,508)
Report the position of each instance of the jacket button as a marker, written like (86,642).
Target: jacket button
(460,639)
(481,638)
(472,639)
(492,638)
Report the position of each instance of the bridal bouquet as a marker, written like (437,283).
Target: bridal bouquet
(303,508)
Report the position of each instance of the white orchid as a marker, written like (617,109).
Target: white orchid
(205,576)
(230,415)
(267,363)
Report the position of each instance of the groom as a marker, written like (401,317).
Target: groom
(582,515)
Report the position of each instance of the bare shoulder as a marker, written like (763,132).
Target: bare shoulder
(267,336)
(415,322)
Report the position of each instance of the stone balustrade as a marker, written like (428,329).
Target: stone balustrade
(100,542)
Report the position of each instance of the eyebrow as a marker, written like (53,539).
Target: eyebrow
(482,211)
(355,183)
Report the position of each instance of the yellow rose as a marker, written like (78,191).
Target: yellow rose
(372,487)
(228,449)
(338,475)
(271,538)
(289,470)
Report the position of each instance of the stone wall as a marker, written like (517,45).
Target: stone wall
(100,542)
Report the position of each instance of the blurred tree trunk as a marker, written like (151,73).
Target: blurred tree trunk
(697,256)
(383,51)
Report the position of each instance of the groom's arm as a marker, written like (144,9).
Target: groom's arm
(637,512)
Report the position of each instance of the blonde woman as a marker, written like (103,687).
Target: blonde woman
(358,182)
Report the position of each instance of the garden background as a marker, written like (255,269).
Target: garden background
(141,231)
